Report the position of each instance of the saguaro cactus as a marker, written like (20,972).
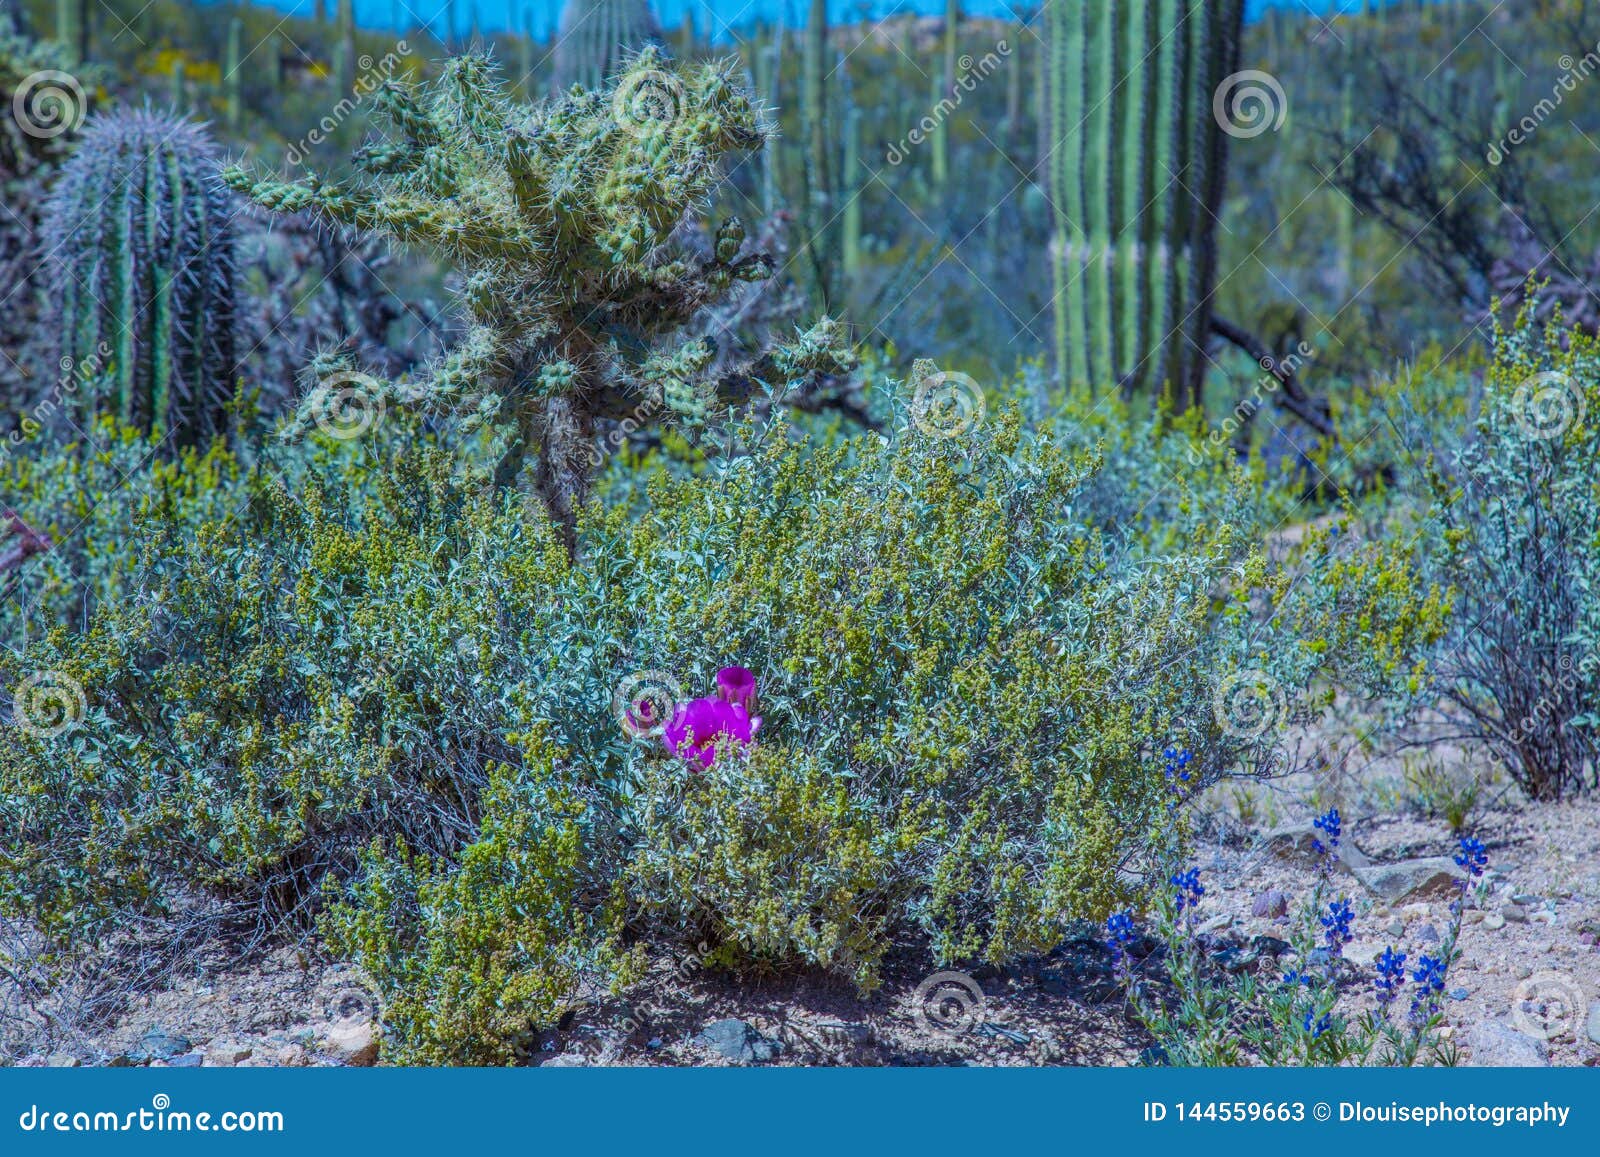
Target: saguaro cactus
(230,72)
(345,62)
(596,36)
(140,236)
(1136,180)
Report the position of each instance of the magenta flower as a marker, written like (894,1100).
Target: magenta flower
(700,727)
(737,685)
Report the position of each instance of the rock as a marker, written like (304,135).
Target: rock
(1472,916)
(1542,917)
(1427,934)
(225,1054)
(1594,1022)
(1494,921)
(847,1037)
(1458,994)
(1515,913)
(292,1056)
(1523,972)
(1586,938)
(737,1041)
(351,1042)
(1271,903)
(1524,898)
(1432,877)
(1494,1045)
(186,1061)
(1300,841)
(1396,928)
(566,1061)
(160,1045)
(61,1061)
(32,1061)
(1268,946)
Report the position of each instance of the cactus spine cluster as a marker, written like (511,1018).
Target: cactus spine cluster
(1136,182)
(557,218)
(140,236)
(596,36)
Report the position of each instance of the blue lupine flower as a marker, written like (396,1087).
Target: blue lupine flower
(1391,968)
(1178,760)
(1430,980)
(1329,824)
(1315,1025)
(1119,930)
(1189,889)
(1337,925)
(1472,857)
(1295,976)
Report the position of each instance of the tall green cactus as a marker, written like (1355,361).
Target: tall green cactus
(596,36)
(1136,179)
(231,72)
(140,235)
(72,29)
(345,62)
(818,145)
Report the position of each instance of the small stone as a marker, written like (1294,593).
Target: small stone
(1270,904)
(1542,917)
(160,1045)
(1594,1022)
(1523,898)
(186,1061)
(1515,913)
(737,1041)
(1472,916)
(1458,994)
(292,1056)
(1396,928)
(225,1054)
(1586,938)
(1427,934)
(61,1061)
(351,1042)
(1494,1045)
(1494,921)
(566,1061)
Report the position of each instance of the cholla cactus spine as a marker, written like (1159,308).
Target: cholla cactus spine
(140,236)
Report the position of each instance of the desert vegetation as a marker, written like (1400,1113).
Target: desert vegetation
(519,540)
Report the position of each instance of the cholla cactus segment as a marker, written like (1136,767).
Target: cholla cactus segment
(560,218)
(139,233)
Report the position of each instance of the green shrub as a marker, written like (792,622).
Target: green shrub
(341,666)
(1514,528)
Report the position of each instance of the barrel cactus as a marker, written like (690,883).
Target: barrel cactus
(598,35)
(559,219)
(140,237)
(1136,170)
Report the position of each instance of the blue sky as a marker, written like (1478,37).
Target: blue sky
(495,14)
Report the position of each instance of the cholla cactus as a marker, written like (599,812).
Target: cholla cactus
(557,217)
(596,36)
(139,233)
